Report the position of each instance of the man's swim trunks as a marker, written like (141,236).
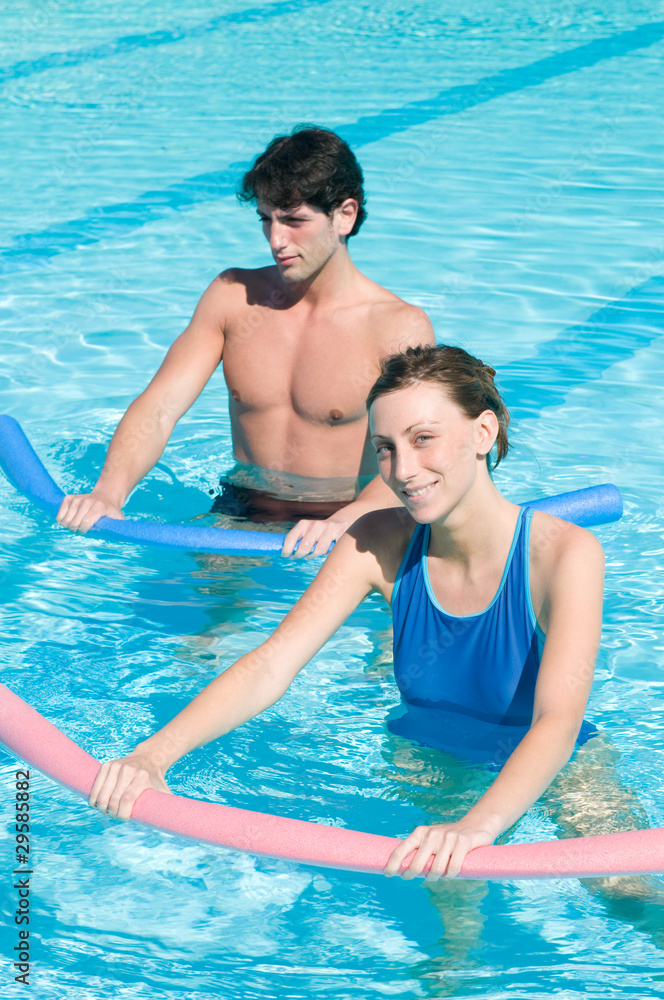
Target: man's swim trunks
(267,496)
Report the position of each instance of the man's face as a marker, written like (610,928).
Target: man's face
(302,239)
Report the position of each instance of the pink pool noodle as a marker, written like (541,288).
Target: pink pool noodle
(35,740)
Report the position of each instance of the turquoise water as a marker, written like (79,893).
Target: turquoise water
(513,159)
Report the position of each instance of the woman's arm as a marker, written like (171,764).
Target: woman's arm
(570,576)
(255,682)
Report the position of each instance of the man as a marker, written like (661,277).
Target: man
(301,343)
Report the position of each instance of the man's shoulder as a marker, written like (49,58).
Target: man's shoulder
(397,320)
(238,287)
(251,278)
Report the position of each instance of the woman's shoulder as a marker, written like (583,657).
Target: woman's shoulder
(566,569)
(385,534)
(392,525)
(555,543)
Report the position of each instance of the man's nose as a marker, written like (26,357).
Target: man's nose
(278,235)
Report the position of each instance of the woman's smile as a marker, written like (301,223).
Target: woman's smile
(418,493)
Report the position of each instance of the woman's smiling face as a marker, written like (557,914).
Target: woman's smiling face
(430,452)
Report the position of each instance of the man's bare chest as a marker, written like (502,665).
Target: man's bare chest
(322,375)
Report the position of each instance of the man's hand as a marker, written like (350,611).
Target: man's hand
(120,782)
(439,850)
(82,510)
(316,537)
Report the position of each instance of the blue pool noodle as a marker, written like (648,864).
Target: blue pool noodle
(22,466)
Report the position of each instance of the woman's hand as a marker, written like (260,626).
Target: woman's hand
(120,782)
(443,846)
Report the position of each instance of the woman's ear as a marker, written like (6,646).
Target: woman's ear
(486,431)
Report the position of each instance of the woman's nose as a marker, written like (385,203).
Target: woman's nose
(404,464)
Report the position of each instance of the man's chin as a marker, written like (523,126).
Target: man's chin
(293,276)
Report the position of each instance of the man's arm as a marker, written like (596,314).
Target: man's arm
(314,538)
(144,430)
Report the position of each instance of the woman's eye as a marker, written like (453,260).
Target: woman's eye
(423,437)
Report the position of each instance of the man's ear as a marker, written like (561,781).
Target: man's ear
(346,213)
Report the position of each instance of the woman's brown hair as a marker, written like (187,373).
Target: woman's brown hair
(469,382)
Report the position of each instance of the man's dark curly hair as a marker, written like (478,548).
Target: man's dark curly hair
(312,166)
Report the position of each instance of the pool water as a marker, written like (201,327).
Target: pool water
(514,166)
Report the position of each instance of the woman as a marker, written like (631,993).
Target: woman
(497,613)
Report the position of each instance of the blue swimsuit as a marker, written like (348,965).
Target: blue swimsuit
(467,682)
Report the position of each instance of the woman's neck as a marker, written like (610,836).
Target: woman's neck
(479,526)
